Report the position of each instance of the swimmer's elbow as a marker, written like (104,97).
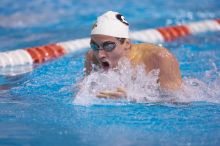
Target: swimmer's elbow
(171,86)
(170,79)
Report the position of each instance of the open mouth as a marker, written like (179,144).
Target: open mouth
(105,65)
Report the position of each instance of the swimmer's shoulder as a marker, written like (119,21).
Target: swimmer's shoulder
(90,60)
(146,48)
(90,57)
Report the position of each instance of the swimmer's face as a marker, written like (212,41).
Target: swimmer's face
(109,50)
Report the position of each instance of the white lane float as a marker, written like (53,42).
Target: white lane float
(44,53)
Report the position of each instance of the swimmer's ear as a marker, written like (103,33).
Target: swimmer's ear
(127,44)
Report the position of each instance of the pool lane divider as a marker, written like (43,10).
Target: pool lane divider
(158,35)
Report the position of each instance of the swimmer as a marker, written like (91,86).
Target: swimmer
(110,42)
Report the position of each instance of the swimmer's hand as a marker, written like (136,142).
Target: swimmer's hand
(118,93)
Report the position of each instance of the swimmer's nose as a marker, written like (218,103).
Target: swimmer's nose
(102,53)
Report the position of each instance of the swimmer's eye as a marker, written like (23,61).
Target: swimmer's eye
(107,46)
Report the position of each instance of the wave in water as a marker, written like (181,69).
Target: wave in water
(142,88)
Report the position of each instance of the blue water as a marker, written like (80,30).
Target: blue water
(37,108)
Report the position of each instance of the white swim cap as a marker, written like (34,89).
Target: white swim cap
(111,24)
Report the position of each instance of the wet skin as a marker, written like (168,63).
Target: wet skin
(152,56)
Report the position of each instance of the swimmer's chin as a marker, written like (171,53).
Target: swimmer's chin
(105,68)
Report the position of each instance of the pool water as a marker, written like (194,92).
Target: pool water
(42,107)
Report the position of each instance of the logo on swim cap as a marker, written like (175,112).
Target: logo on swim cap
(94,25)
(122,19)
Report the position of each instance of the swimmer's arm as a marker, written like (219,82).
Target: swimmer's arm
(169,76)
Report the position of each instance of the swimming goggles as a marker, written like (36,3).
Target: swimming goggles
(107,46)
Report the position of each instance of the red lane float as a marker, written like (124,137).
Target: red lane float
(44,53)
(173,32)
(218,20)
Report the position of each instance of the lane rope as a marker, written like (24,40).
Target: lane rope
(44,53)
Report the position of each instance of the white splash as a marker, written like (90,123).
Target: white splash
(142,87)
